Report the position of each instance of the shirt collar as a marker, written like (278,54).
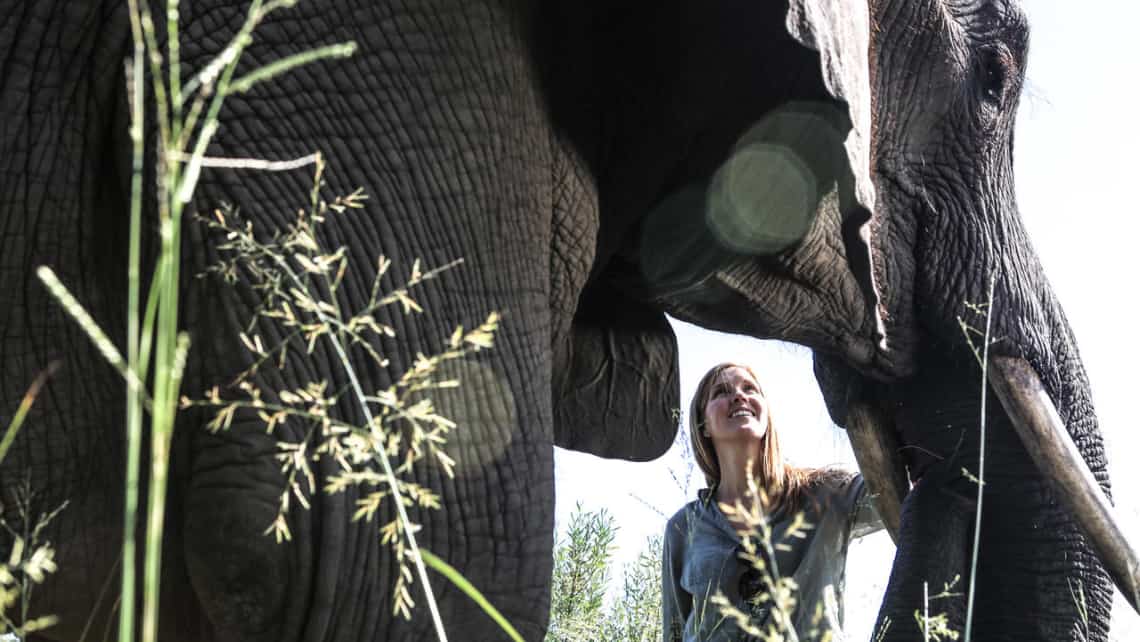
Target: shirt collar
(706,495)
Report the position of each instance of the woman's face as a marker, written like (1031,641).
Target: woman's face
(736,410)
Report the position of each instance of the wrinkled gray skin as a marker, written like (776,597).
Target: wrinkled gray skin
(566,153)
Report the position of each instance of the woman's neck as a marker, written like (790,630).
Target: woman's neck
(733,486)
(732,490)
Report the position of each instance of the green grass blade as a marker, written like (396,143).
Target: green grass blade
(146,340)
(86,323)
(136,88)
(25,406)
(456,578)
(981,462)
(278,67)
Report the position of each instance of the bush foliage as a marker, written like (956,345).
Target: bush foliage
(580,609)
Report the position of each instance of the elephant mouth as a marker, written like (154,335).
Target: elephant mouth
(1044,436)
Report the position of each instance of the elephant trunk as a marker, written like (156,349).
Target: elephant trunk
(939,513)
(1035,575)
(1036,555)
(1044,435)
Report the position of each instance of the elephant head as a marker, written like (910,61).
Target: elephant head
(835,174)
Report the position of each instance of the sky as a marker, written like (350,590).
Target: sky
(1075,138)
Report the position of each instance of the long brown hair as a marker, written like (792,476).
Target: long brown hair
(782,483)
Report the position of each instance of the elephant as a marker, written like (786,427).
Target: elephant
(836,174)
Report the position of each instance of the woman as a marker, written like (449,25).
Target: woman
(730,426)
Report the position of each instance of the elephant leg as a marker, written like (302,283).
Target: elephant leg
(335,579)
(438,117)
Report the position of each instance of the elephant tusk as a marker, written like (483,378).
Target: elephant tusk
(877,452)
(1050,446)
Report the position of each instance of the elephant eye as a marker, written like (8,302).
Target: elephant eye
(992,76)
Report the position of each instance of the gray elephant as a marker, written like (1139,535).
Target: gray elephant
(834,174)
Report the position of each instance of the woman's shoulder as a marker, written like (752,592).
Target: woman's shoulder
(675,530)
(681,520)
(683,513)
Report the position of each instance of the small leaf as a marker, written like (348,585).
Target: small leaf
(447,462)
(280,529)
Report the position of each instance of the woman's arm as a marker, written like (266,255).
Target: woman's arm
(676,603)
(864,518)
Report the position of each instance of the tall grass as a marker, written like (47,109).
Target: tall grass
(290,271)
(983,357)
(186,121)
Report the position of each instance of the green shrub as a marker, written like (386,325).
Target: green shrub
(583,568)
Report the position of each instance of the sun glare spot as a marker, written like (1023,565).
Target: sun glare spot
(762,200)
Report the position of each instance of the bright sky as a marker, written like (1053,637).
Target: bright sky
(1075,141)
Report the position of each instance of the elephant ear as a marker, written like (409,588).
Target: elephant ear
(840,30)
(616,379)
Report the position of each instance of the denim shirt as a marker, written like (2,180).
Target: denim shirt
(701,557)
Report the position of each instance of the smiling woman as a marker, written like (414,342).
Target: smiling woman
(764,547)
